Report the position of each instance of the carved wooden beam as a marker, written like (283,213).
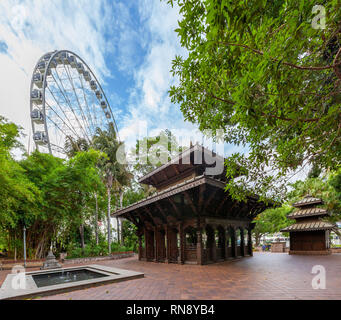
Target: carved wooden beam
(132,219)
(163,213)
(227,196)
(189,200)
(201,197)
(164,175)
(145,221)
(233,210)
(150,216)
(176,169)
(243,212)
(176,210)
(157,220)
(154,180)
(212,195)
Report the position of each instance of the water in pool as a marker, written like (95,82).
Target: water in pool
(64,276)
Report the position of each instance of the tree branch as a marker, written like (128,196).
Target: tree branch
(333,66)
(268,115)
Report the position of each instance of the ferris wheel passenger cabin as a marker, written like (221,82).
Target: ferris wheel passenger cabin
(41,66)
(53,63)
(98,95)
(80,68)
(40,138)
(37,116)
(36,96)
(38,80)
(62,57)
(72,61)
(93,85)
(87,76)
(103,105)
(47,57)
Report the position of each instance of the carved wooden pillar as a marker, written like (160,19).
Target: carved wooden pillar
(222,241)
(140,245)
(234,242)
(181,258)
(200,257)
(214,247)
(146,243)
(168,243)
(226,242)
(249,233)
(242,242)
(156,244)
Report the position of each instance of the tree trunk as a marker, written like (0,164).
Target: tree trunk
(257,238)
(96,219)
(81,232)
(108,217)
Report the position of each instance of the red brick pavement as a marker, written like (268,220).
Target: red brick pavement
(264,276)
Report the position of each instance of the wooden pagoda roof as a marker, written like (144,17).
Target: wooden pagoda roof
(307,201)
(181,165)
(310,226)
(199,195)
(186,185)
(307,212)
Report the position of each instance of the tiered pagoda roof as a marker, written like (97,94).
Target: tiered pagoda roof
(309,226)
(308,212)
(308,216)
(307,201)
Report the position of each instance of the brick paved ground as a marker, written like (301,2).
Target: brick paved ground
(264,276)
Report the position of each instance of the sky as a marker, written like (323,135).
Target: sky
(129,45)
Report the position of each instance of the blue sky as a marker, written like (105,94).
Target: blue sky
(128,44)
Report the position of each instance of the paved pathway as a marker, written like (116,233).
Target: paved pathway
(264,276)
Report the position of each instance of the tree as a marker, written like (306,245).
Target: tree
(84,180)
(43,170)
(325,187)
(19,197)
(72,147)
(149,151)
(263,73)
(114,173)
(271,221)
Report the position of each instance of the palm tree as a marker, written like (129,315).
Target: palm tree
(115,174)
(72,146)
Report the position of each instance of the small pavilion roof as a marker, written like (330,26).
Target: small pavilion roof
(310,226)
(307,212)
(307,200)
(180,164)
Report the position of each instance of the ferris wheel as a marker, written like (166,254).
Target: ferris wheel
(67,102)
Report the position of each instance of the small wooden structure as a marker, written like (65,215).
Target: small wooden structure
(310,234)
(278,246)
(191,219)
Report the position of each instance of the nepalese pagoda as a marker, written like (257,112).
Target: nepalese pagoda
(310,234)
(191,219)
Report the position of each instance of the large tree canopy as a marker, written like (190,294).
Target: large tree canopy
(266,73)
